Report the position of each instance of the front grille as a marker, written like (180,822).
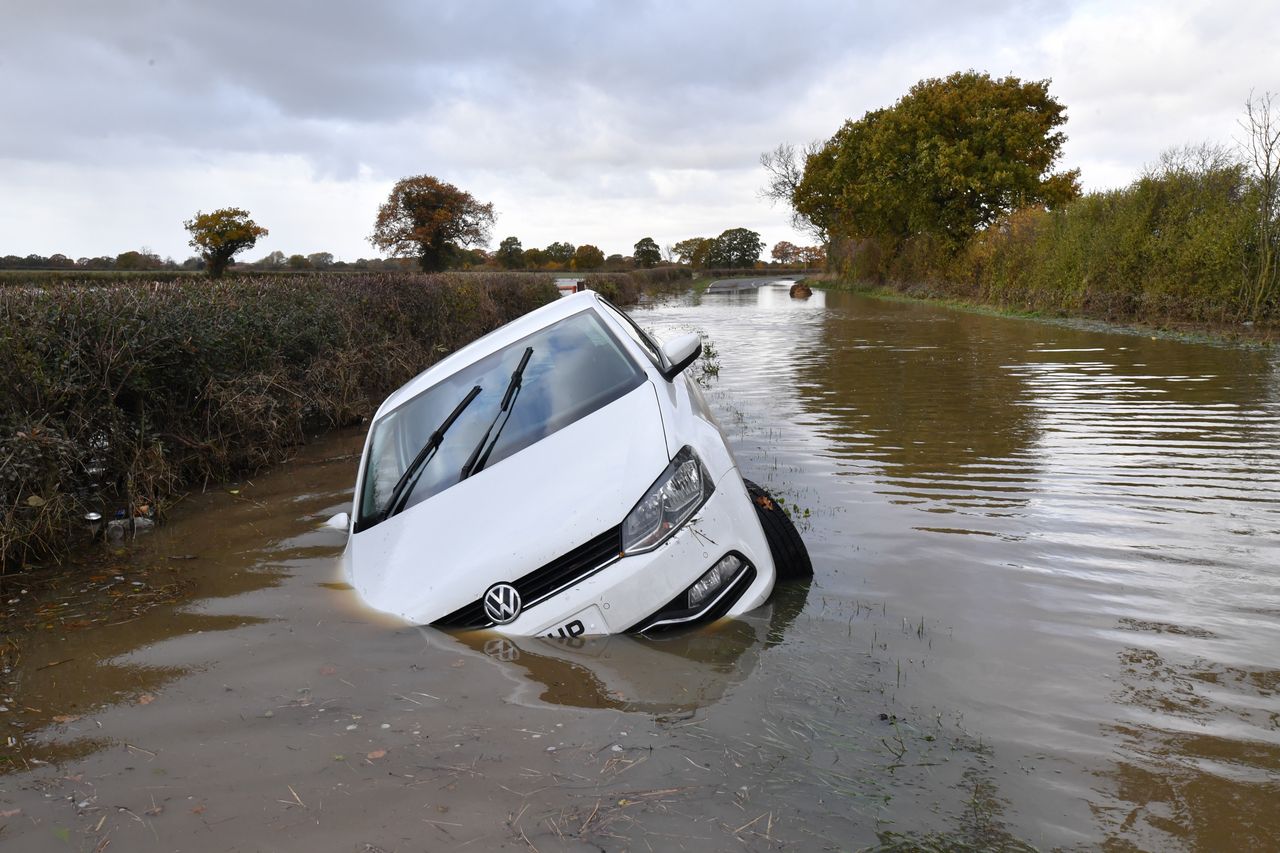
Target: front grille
(541,583)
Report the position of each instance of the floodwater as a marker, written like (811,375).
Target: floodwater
(1045,614)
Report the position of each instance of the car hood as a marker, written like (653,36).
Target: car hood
(440,555)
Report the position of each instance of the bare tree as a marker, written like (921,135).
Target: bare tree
(1261,147)
(785,165)
(1197,159)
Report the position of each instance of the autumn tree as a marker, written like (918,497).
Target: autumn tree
(510,254)
(588,257)
(693,251)
(144,260)
(647,253)
(813,257)
(431,220)
(785,252)
(735,248)
(220,235)
(951,157)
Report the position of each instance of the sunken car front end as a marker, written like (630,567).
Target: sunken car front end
(714,563)
(546,481)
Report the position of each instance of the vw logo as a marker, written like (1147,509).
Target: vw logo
(502,603)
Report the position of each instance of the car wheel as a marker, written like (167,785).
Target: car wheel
(790,557)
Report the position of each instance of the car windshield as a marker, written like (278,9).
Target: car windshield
(577,367)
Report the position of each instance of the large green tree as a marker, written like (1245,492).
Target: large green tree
(221,234)
(737,248)
(647,253)
(510,254)
(431,220)
(559,253)
(951,157)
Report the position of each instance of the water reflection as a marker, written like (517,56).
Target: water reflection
(1119,500)
(661,675)
(167,595)
(923,403)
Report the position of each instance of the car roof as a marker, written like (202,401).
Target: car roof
(501,337)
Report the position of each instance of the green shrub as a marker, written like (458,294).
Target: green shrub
(1179,244)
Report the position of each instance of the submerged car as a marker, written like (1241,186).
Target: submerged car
(561,476)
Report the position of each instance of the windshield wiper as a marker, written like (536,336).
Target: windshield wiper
(476,461)
(409,479)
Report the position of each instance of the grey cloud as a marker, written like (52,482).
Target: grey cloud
(581,111)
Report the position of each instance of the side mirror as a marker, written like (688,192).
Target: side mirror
(341,521)
(680,353)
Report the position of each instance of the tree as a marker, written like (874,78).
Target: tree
(472,258)
(1261,148)
(786,166)
(510,254)
(647,253)
(736,248)
(143,260)
(693,251)
(813,257)
(221,234)
(534,258)
(431,220)
(588,257)
(320,260)
(559,253)
(785,252)
(950,158)
(297,262)
(273,260)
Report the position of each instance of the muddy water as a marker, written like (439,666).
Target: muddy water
(1045,613)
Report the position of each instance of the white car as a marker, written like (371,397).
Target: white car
(560,477)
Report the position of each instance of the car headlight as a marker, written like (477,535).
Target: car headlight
(670,501)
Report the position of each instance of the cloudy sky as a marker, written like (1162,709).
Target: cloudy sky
(590,122)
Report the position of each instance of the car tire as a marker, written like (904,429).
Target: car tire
(790,556)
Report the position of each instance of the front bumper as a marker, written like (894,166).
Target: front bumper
(628,591)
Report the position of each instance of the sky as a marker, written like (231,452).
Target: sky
(585,122)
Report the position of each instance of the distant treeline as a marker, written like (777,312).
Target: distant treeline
(736,248)
(147,261)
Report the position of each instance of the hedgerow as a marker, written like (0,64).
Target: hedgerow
(113,397)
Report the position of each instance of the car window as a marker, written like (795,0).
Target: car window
(637,334)
(577,367)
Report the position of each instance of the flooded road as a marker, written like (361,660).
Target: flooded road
(1045,613)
